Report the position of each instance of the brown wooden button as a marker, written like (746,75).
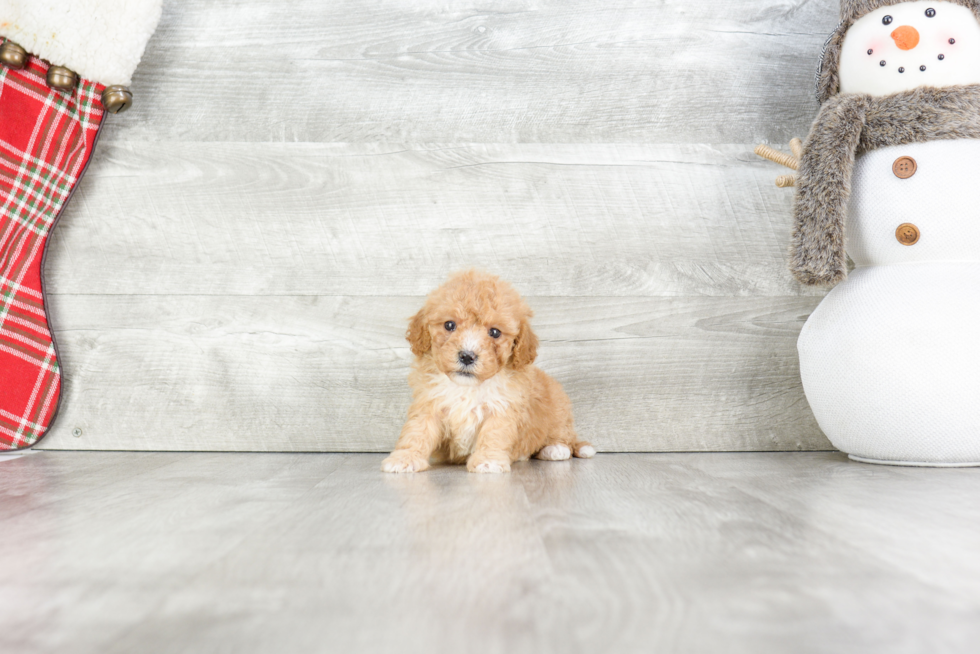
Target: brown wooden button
(904,167)
(907,234)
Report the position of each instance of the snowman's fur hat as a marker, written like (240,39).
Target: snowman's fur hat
(852,123)
(828,81)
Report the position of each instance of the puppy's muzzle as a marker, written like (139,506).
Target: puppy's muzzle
(467,358)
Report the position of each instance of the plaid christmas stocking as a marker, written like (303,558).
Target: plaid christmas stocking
(50,118)
(46,141)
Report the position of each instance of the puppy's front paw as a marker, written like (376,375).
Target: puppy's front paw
(487,466)
(404,461)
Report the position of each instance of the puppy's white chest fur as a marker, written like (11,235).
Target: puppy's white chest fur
(466,408)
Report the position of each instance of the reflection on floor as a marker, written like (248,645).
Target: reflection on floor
(154,552)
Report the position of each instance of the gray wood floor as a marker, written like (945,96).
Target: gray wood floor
(755,553)
(237,267)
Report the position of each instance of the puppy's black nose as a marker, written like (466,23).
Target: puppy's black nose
(467,358)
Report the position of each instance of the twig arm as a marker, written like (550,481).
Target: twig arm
(776,156)
(796,145)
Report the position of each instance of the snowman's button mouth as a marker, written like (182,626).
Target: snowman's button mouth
(907,234)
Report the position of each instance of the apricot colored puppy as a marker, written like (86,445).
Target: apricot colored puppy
(477,398)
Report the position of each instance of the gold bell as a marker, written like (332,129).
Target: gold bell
(117,99)
(12,55)
(61,79)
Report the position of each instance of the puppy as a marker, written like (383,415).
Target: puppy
(476,397)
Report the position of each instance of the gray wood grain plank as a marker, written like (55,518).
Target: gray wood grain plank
(314,219)
(924,542)
(744,553)
(329,373)
(777,544)
(235,268)
(543,71)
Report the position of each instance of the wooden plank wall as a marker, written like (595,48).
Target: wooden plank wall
(236,270)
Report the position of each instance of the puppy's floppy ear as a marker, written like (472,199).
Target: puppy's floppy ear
(418,334)
(525,347)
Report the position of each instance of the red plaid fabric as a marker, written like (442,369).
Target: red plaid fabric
(46,139)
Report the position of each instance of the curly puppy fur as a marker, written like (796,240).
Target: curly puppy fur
(476,398)
(847,125)
(828,79)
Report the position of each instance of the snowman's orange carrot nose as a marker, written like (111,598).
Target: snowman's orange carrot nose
(906,37)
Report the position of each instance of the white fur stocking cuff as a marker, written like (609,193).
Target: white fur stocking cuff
(101,40)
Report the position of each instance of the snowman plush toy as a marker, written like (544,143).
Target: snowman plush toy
(890,176)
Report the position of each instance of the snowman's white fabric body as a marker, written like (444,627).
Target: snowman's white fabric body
(890,360)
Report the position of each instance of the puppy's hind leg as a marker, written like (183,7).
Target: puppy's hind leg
(564,444)
(554,452)
(581,449)
(561,452)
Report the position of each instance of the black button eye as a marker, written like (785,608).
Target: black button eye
(494,332)
(952,41)
(887,20)
(930,13)
(450,326)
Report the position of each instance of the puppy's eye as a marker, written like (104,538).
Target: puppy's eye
(494,332)
(930,13)
(450,326)
(887,20)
